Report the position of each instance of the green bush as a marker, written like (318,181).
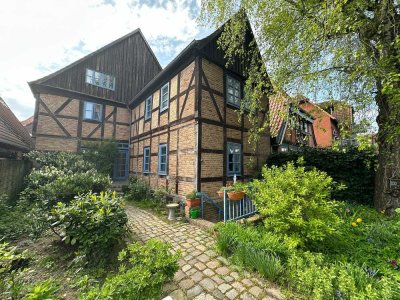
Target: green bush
(94,222)
(138,190)
(314,278)
(143,271)
(353,168)
(101,154)
(296,203)
(43,290)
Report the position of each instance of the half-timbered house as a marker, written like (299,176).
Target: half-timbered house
(87,100)
(186,132)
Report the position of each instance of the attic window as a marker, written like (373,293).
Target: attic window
(100,79)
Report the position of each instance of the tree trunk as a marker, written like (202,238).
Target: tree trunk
(387,195)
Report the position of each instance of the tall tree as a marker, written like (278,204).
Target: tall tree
(348,48)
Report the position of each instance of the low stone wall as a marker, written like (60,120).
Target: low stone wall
(12,173)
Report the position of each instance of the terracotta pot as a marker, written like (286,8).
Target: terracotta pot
(193,202)
(236,196)
(221,194)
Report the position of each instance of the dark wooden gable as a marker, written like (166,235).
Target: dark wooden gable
(130,59)
(210,50)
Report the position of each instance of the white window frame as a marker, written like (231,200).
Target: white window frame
(160,147)
(236,158)
(146,159)
(148,107)
(99,79)
(236,86)
(86,104)
(164,97)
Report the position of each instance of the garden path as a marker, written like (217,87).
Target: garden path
(203,274)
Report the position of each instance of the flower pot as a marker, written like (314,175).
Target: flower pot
(236,196)
(193,202)
(221,194)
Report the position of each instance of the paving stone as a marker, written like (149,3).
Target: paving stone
(201,248)
(247,282)
(169,287)
(247,296)
(208,284)
(224,287)
(235,275)
(203,258)
(191,271)
(238,286)
(186,284)
(274,293)
(232,294)
(223,260)
(218,295)
(228,278)
(194,291)
(211,253)
(200,266)
(179,275)
(197,276)
(256,291)
(186,268)
(222,271)
(204,296)
(213,264)
(178,295)
(208,272)
(218,279)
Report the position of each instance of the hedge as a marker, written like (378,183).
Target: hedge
(353,168)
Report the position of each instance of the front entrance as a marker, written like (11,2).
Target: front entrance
(121,165)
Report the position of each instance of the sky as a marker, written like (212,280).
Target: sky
(40,37)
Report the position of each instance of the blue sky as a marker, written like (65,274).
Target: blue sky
(39,37)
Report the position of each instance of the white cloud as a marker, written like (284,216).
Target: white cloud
(39,37)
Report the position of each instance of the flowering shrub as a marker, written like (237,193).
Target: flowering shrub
(93,222)
(142,272)
(296,203)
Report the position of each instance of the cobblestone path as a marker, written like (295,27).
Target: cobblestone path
(203,273)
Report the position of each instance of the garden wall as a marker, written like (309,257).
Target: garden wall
(12,173)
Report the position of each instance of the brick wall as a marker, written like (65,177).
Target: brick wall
(50,135)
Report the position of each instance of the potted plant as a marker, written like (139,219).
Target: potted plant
(236,192)
(192,200)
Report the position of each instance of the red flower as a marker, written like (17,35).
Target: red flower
(394,263)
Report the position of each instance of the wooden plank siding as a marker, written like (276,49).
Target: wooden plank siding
(129,59)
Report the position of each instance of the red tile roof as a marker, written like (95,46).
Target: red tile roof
(27,122)
(278,111)
(12,134)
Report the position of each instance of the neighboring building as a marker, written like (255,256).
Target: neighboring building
(87,100)
(291,125)
(180,124)
(326,129)
(28,123)
(14,138)
(342,112)
(185,129)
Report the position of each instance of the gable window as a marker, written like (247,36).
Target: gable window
(100,79)
(164,98)
(148,105)
(146,159)
(92,111)
(234,158)
(233,88)
(162,159)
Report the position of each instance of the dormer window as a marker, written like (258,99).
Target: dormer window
(100,79)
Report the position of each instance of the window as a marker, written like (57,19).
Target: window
(162,159)
(100,79)
(146,159)
(164,98)
(92,111)
(233,88)
(148,105)
(234,158)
